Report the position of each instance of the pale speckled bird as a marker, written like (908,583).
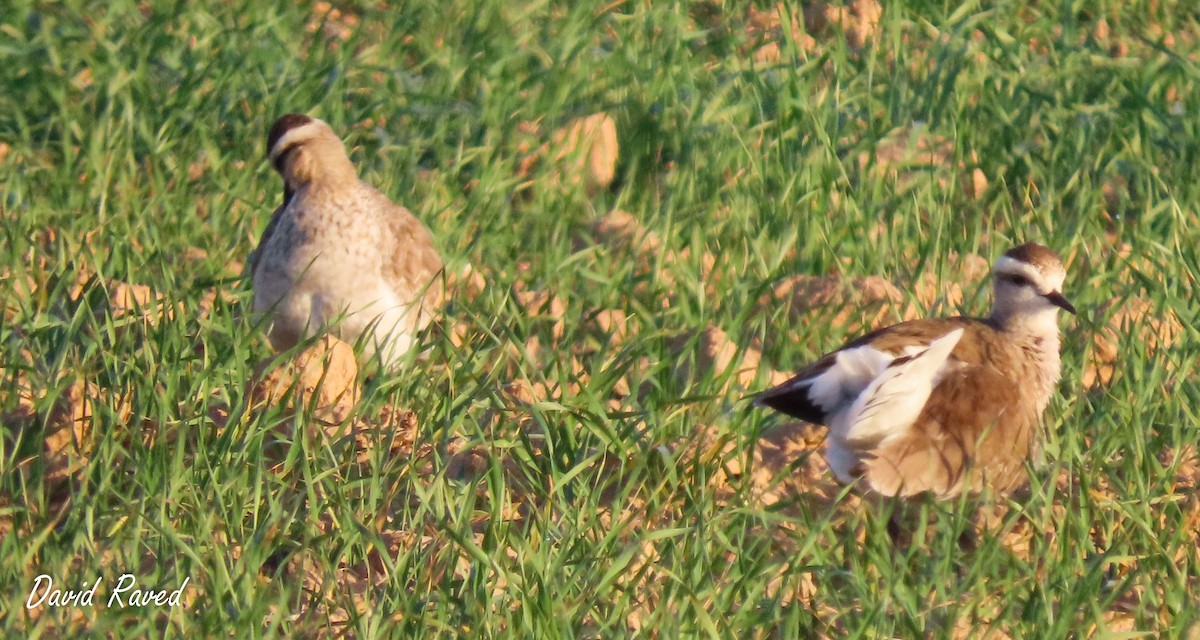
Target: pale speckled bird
(941,405)
(338,255)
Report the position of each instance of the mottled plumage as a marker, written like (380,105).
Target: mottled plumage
(941,405)
(339,255)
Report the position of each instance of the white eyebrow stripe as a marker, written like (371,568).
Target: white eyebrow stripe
(1041,281)
(294,136)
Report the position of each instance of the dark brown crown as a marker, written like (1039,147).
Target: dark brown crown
(283,125)
(1042,258)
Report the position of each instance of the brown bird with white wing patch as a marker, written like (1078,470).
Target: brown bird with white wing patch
(941,405)
(339,255)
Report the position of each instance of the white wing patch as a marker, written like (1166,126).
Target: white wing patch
(888,403)
(851,372)
(894,399)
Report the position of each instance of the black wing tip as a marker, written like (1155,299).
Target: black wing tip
(791,402)
(755,399)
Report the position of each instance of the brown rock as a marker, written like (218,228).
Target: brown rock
(978,183)
(592,141)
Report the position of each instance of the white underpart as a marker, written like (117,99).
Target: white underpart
(888,405)
(374,311)
(380,316)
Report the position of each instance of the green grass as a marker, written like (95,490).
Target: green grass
(134,133)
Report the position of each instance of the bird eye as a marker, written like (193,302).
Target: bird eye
(281,158)
(1017,279)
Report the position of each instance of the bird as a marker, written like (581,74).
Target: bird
(941,406)
(338,255)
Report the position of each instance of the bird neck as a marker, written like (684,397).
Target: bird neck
(325,165)
(1036,333)
(1042,323)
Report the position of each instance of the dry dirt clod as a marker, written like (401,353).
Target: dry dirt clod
(539,303)
(1135,319)
(930,290)
(127,300)
(612,324)
(859,19)
(783,464)
(906,153)
(621,229)
(716,354)
(323,376)
(467,281)
(583,152)
(68,431)
(858,304)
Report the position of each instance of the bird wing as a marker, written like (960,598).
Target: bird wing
(830,385)
(412,264)
(256,255)
(896,396)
